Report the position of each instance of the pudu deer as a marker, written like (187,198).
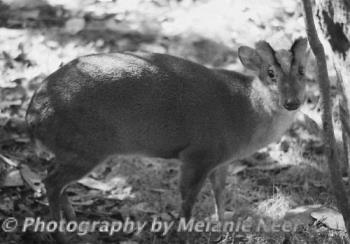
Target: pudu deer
(159,105)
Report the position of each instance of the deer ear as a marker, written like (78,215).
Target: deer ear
(249,58)
(266,51)
(299,49)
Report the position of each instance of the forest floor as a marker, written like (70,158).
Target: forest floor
(286,181)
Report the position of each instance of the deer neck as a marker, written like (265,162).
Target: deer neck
(272,120)
(262,99)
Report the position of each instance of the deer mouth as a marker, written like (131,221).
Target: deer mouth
(291,107)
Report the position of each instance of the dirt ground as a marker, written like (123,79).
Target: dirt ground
(286,181)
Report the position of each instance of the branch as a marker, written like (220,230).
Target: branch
(330,145)
(343,110)
(344,120)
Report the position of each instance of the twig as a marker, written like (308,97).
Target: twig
(331,152)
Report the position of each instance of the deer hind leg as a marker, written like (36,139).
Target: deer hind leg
(67,169)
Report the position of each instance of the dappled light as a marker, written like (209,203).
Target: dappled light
(286,180)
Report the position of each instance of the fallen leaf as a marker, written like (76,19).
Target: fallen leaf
(165,217)
(116,182)
(301,215)
(30,14)
(144,207)
(128,242)
(12,178)
(6,205)
(121,194)
(159,190)
(74,25)
(330,217)
(4,119)
(95,184)
(271,167)
(235,169)
(9,161)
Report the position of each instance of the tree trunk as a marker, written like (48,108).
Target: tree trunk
(334,20)
(328,132)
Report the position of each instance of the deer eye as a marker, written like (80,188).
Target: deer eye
(270,73)
(301,70)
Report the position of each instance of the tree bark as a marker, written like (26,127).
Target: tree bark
(334,20)
(329,139)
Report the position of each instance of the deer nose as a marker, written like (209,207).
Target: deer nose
(291,104)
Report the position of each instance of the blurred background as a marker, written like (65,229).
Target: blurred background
(39,36)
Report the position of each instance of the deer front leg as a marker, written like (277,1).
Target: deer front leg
(218,180)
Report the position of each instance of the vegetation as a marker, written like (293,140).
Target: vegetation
(289,180)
